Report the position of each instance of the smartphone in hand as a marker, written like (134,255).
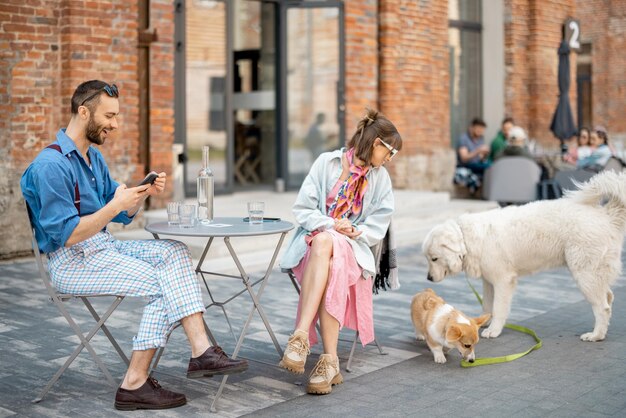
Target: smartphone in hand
(149,179)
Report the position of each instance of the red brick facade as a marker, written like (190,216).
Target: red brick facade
(397,60)
(47,48)
(413,90)
(532,37)
(361,59)
(603,23)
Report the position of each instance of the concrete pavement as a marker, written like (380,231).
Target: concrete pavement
(567,377)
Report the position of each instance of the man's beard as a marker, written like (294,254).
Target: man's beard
(93,131)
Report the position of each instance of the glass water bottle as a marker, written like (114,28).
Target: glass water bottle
(205,190)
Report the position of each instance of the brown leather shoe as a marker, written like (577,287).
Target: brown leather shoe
(214,361)
(149,396)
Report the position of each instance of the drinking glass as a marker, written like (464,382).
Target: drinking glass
(187,214)
(173,218)
(255,212)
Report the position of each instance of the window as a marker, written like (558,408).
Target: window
(583,86)
(464,46)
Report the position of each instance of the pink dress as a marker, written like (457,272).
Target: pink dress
(348,294)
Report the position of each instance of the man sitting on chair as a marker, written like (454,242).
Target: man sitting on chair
(72,198)
(516,146)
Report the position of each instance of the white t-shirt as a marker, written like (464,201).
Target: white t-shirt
(584,152)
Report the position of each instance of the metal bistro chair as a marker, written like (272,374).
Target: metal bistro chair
(57,299)
(570,179)
(512,180)
(614,164)
(296,285)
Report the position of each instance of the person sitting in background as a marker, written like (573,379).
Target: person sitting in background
(471,151)
(516,145)
(599,141)
(581,150)
(472,156)
(499,142)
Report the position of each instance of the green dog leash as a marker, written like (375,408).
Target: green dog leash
(502,359)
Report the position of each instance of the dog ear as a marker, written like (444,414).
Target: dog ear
(481,320)
(457,245)
(430,303)
(453,333)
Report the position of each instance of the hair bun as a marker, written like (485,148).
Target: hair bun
(370,116)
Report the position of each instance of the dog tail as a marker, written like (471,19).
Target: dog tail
(607,188)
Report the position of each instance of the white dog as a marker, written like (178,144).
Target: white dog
(583,230)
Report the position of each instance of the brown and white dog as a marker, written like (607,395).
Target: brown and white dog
(444,327)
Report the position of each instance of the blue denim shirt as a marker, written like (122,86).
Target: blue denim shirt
(48,188)
(310,211)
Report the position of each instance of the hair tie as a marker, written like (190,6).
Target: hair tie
(370,119)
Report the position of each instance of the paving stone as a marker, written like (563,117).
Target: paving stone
(567,377)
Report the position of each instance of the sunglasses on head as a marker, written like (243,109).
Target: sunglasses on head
(391,149)
(111,90)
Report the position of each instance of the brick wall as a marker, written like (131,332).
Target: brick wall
(603,23)
(413,90)
(396,61)
(47,48)
(162,93)
(532,37)
(361,51)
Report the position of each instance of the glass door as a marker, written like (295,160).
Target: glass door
(313,84)
(254,93)
(202,80)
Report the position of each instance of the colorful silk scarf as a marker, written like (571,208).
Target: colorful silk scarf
(349,199)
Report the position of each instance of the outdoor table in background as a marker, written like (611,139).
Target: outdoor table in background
(227,228)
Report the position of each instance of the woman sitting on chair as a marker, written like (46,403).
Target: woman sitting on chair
(599,141)
(344,207)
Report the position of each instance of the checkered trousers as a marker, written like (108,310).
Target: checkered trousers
(161,270)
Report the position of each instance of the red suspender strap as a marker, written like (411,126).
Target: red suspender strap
(76,191)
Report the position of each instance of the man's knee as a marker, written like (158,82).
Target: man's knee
(174,249)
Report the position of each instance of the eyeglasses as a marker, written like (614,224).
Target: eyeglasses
(111,90)
(391,149)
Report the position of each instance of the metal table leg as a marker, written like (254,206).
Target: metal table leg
(160,351)
(256,306)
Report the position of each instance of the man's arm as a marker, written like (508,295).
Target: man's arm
(124,199)
(466,155)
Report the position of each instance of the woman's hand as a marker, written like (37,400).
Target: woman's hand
(345,227)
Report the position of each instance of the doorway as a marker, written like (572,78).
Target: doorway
(254,93)
(312,98)
(262,83)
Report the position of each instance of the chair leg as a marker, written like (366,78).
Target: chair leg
(356,337)
(380,348)
(84,343)
(349,365)
(106,330)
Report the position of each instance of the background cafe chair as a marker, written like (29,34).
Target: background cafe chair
(570,179)
(58,300)
(614,164)
(512,180)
